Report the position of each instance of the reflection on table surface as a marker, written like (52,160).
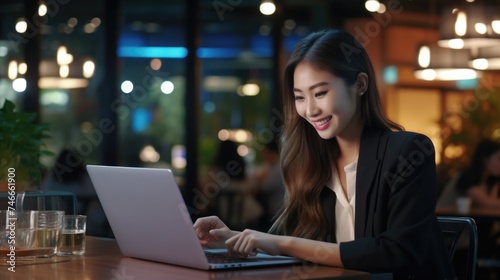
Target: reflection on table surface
(103,260)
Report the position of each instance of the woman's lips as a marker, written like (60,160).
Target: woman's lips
(322,124)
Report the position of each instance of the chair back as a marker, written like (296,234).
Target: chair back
(43,200)
(453,229)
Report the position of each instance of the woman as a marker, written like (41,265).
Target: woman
(358,195)
(481,180)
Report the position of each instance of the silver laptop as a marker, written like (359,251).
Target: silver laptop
(150,220)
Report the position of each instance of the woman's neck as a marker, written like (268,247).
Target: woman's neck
(349,143)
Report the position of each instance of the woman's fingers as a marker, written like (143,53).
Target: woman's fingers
(211,232)
(221,234)
(208,222)
(203,226)
(242,244)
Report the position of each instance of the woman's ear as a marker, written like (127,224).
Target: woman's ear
(361,84)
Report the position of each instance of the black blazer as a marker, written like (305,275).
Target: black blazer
(396,229)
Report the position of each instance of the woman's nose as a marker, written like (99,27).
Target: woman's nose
(312,108)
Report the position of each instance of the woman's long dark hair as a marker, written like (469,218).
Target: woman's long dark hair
(306,158)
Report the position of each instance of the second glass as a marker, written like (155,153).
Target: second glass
(72,239)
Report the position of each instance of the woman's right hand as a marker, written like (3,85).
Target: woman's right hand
(212,232)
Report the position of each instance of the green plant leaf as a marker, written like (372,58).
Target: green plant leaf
(21,143)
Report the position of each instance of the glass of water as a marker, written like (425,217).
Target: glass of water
(72,239)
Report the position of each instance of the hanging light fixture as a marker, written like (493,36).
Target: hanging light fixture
(437,63)
(487,58)
(471,25)
(75,74)
(267,7)
(63,72)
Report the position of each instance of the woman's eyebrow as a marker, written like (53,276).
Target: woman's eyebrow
(313,86)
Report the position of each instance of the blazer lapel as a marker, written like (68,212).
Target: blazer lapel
(368,164)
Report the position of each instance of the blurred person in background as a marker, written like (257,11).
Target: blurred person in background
(266,185)
(481,179)
(222,191)
(69,174)
(481,182)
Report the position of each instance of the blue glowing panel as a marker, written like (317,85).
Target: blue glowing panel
(218,52)
(141,119)
(176,52)
(152,52)
(390,75)
(467,84)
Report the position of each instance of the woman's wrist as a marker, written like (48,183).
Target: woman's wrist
(285,243)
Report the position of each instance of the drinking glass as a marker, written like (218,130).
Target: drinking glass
(29,234)
(72,241)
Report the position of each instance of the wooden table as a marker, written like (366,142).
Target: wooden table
(103,260)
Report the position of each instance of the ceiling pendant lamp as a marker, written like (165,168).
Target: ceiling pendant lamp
(487,58)
(470,26)
(437,63)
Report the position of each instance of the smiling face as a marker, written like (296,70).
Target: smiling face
(325,101)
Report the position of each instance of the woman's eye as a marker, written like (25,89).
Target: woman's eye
(298,98)
(321,93)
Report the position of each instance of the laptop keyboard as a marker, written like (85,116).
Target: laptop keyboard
(226,258)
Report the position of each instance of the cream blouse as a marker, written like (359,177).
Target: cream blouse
(345,205)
